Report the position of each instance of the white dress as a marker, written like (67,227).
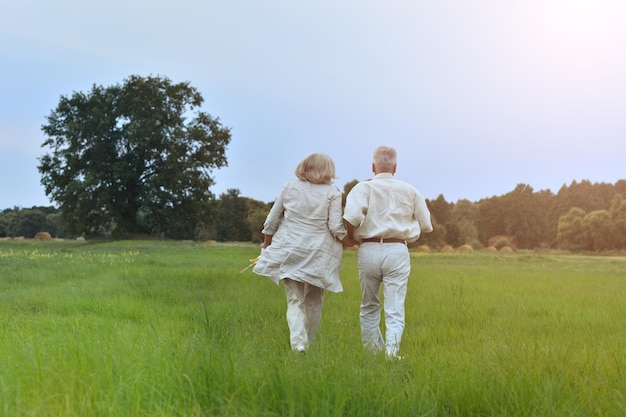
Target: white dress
(306,224)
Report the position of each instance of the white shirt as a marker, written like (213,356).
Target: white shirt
(386,207)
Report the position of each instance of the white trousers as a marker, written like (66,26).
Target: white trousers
(304,312)
(388,264)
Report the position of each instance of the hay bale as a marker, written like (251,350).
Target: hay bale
(43,236)
(465,249)
(80,239)
(422,249)
(491,249)
(505,249)
(447,249)
(19,238)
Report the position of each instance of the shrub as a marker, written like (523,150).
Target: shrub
(500,243)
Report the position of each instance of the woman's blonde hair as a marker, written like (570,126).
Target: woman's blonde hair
(317,168)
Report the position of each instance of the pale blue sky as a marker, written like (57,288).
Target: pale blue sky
(476,96)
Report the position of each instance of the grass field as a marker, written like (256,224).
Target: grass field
(152,328)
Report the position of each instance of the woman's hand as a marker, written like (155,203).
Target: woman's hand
(267,240)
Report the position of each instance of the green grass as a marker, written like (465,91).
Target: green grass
(151,328)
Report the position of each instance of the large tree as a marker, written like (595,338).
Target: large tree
(133,158)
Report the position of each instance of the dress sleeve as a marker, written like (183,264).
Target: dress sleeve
(275,216)
(335,218)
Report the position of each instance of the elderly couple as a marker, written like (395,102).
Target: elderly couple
(305,232)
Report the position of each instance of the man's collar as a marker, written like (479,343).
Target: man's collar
(383,175)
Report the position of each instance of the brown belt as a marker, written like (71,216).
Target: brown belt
(383,240)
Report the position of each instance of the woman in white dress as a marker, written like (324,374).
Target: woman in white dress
(302,246)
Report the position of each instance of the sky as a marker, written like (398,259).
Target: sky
(477,97)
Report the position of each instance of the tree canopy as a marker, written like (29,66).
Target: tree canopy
(133,158)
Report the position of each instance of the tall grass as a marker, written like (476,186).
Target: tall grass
(174,329)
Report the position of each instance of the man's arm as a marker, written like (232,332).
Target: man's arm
(422,215)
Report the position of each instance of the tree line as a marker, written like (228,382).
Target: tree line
(135,159)
(231,217)
(581,216)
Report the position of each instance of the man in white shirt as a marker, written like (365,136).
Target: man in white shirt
(383,215)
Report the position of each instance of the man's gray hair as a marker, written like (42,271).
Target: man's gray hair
(385,158)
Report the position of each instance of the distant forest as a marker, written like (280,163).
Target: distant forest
(582,216)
